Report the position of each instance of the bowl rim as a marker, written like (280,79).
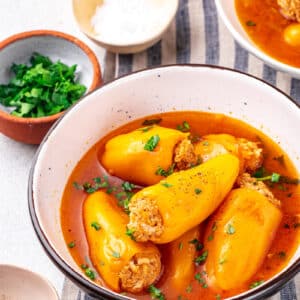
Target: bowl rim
(97,78)
(136,43)
(265,290)
(255,50)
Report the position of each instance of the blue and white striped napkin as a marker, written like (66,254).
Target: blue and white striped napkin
(197,35)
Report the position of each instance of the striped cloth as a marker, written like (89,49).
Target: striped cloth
(197,35)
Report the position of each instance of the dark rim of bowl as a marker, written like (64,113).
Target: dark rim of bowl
(97,78)
(265,290)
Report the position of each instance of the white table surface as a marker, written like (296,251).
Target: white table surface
(18,242)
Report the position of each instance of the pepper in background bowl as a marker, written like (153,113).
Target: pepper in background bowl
(58,46)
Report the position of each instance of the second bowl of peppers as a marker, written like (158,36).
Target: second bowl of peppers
(42,74)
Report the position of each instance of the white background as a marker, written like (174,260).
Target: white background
(18,242)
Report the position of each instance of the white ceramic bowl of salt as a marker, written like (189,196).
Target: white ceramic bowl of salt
(123,26)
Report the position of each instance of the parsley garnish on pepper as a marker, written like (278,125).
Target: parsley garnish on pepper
(152,143)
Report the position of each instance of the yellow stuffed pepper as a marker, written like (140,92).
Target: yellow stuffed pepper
(142,155)
(163,212)
(244,228)
(122,263)
(180,266)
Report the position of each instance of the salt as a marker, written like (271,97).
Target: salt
(123,22)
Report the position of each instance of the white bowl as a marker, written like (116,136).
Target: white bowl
(84,11)
(227,12)
(22,284)
(203,88)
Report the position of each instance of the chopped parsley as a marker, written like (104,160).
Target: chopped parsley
(71,244)
(210,237)
(250,23)
(151,122)
(156,293)
(88,271)
(96,225)
(180,246)
(145,129)
(128,187)
(274,177)
(165,173)
(198,245)
(201,280)
(256,284)
(198,191)
(166,184)
(281,254)
(230,229)
(201,258)
(98,183)
(184,127)
(41,88)
(218,297)
(189,288)
(152,143)
(130,233)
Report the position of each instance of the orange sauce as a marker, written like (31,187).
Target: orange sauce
(287,238)
(264,24)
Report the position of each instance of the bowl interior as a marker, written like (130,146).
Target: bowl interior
(55,47)
(84,10)
(171,88)
(227,12)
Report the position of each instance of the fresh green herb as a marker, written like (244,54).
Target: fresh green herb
(199,277)
(281,254)
(116,254)
(97,184)
(210,237)
(124,199)
(90,273)
(189,288)
(197,244)
(184,127)
(96,226)
(218,297)
(206,143)
(78,186)
(130,233)
(152,143)
(165,173)
(274,177)
(84,266)
(202,258)
(250,23)
(71,244)
(145,129)
(166,184)
(128,187)
(151,122)
(260,172)
(194,138)
(42,88)
(256,284)
(180,246)
(230,229)
(198,191)
(156,293)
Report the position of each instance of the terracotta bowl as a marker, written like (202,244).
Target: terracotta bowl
(171,88)
(85,9)
(227,12)
(58,46)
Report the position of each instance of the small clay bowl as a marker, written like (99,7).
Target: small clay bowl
(17,283)
(84,11)
(57,46)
